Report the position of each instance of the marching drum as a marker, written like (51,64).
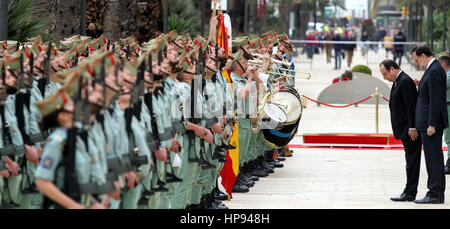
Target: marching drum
(282,104)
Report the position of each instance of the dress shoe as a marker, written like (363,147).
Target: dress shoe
(281,158)
(277,164)
(404,197)
(218,205)
(240,188)
(268,165)
(447,170)
(430,200)
(259,173)
(287,153)
(220,196)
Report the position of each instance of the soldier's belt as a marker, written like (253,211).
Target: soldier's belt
(120,165)
(35,138)
(94,188)
(211,121)
(12,150)
(178,127)
(138,160)
(167,135)
(152,142)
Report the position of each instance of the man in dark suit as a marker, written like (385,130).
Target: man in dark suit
(431,120)
(402,105)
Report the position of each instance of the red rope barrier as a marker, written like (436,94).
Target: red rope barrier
(343,106)
(385,99)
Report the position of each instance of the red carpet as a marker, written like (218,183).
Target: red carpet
(360,141)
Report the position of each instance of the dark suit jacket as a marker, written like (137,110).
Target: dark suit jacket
(431,108)
(402,105)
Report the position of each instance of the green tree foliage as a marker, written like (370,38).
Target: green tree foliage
(20,23)
(362,69)
(184,17)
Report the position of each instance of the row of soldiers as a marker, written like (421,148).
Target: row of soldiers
(87,123)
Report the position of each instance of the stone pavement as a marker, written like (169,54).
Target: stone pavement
(337,178)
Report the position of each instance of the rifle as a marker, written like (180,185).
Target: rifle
(31,75)
(71,186)
(42,83)
(20,79)
(154,138)
(203,161)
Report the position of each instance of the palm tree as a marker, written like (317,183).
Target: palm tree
(20,25)
(184,18)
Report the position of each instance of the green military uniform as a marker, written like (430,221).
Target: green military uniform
(198,181)
(447,130)
(243,122)
(10,187)
(189,170)
(111,136)
(145,122)
(87,164)
(26,178)
(169,98)
(131,197)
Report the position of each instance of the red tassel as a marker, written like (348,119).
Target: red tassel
(187,60)
(55,51)
(91,49)
(5,46)
(64,98)
(26,53)
(113,60)
(90,71)
(39,48)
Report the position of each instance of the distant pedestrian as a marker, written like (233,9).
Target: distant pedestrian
(349,48)
(337,51)
(328,46)
(399,49)
(310,47)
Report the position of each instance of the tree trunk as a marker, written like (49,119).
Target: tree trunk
(237,14)
(112,21)
(285,8)
(95,17)
(128,18)
(149,22)
(67,17)
(45,8)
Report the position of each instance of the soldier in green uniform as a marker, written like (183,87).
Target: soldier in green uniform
(68,142)
(11,145)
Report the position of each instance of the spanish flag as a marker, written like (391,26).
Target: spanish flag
(231,167)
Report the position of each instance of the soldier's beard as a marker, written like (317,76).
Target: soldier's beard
(174,67)
(11,90)
(95,108)
(3,94)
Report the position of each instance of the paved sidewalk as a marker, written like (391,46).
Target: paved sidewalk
(337,178)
